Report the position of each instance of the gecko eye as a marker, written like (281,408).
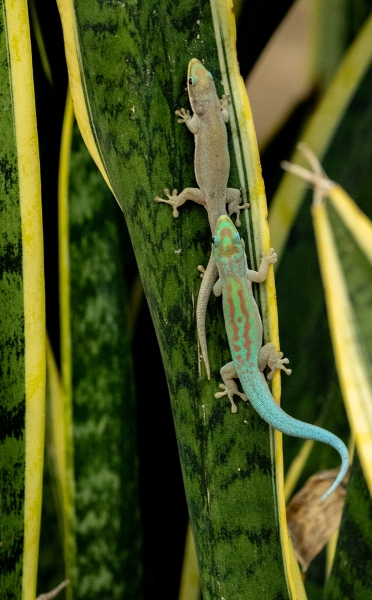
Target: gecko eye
(191,80)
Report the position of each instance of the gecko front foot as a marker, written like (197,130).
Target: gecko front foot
(172,200)
(231,389)
(271,257)
(184,114)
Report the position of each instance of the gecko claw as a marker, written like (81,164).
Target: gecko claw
(230,390)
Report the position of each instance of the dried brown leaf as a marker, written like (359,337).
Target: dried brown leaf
(311,522)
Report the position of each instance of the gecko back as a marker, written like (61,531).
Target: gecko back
(245,344)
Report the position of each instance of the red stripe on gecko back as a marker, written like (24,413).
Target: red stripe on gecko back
(238,320)
(245,330)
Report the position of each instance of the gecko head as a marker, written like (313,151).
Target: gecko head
(227,243)
(200,84)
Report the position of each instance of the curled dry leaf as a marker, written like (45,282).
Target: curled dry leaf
(312,522)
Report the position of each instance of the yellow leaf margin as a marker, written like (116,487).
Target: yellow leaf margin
(67,475)
(349,353)
(33,280)
(190,581)
(351,368)
(77,83)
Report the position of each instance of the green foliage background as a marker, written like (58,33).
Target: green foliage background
(118,354)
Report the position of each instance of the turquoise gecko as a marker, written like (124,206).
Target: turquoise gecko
(244,331)
(212,166)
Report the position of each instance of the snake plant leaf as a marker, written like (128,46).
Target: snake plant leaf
(22,315)
(304,330)
(127,66)
(190,581)
(67,483)
(40,42)
(343,235)
(320,131)
(337,24)
(55,440)
(252,185)
(98,385)
(347,279)
(51,568)
(302,310)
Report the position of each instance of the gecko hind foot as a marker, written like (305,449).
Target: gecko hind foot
(277,364)
(269,357)
(230,390)
(172,200)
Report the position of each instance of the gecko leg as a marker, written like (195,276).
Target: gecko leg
(209,276)
(228,374)
(233,199)
(192,122)
(176,200)
(269,357)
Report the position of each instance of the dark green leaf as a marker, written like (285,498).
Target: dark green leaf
(12,342)
(108,530)
(134,64)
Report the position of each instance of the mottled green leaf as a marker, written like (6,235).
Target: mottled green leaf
(105,464)
(22,319)
(133,62)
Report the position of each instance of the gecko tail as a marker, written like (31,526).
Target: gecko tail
(338,445)
(208,281)
(275,416)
